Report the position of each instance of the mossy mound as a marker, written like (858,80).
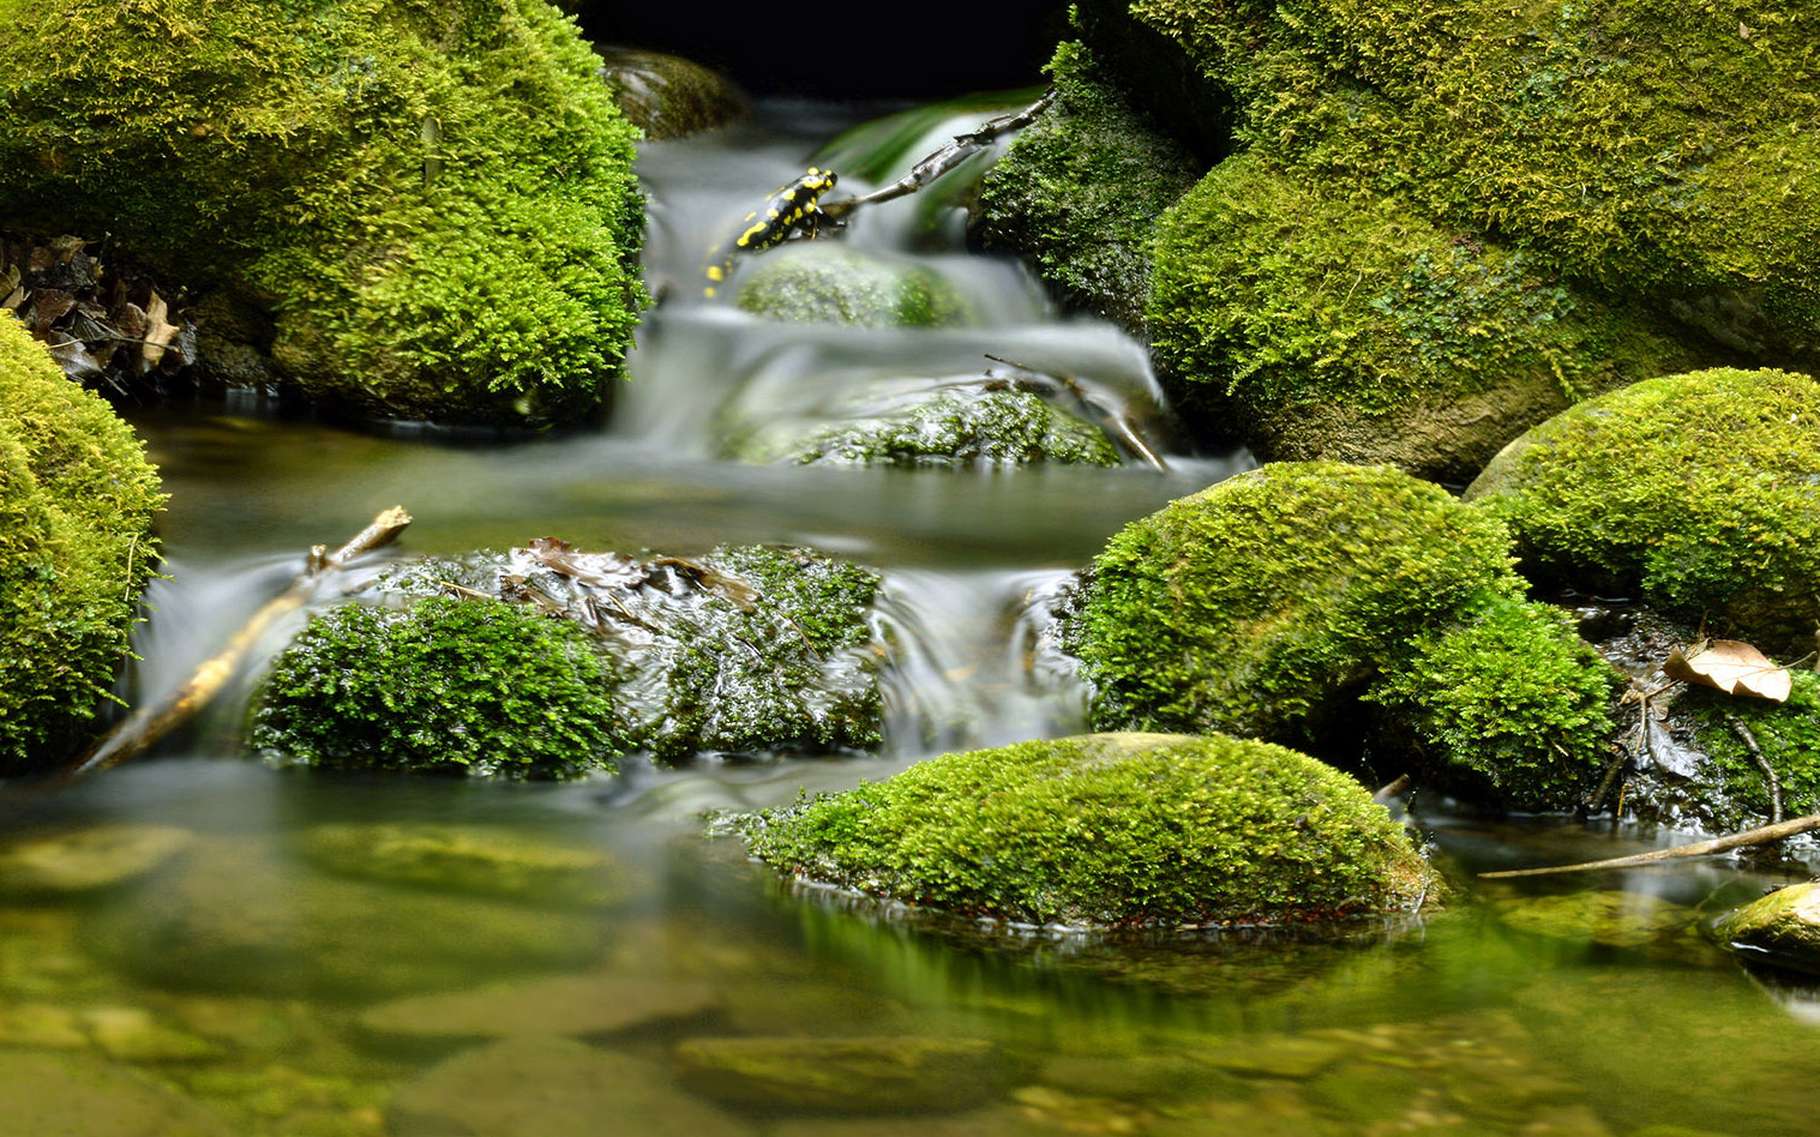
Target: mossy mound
(1730,791)
(826,283)
(435,199)
(1782,929)
(1512,697)
(1258,605)
(1696,492)
(1110,829)
(77,498)
(1655,148)
(1332,321)
(667,96)
(953,427)
(1080,191)
(471,685)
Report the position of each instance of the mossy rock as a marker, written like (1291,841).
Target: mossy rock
(845,1075)
(1261,605)
(1700,493)
(477,860)
(1335,321)
(54,1094)
(1510,698)
(47,864)
(1657,149)
(1081,189)
(1091,830)
(1782,929)
(237,918)
(435,200)
(955,427)
(1609,918)
(443,686)
(667,96)
(823,282)
(1730,791)
(77,499)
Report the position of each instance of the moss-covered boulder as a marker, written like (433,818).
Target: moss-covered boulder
(1330,321)
(1658,149)
(1510,697)
(446,685)
(667,96)
(435,200)
(1698,492)
(1782,929)
(477,860)
(77,498)
(1254,605)
(890,1075)
(1080,191)
(1109,829)
(823,282)
(952,427)
(1729,792)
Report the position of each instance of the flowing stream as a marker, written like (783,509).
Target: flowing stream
(261,980)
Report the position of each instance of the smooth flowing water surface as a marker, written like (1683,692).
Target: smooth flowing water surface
(268,950)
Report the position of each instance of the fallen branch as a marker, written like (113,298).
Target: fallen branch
(1768,834)
(142,729)
(957,150)
(1394,789)
(1127,432)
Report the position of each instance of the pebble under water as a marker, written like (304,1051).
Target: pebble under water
(202,943)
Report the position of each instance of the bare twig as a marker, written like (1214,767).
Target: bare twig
(1769,772)
(1749,838)
(957,150)
(142,729)
(1126,431)
(1396,787)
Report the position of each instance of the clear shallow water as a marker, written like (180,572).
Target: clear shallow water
(254,975)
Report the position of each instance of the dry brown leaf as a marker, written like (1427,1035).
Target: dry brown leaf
(158,332)
(1731,666)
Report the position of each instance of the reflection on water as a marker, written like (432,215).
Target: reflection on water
(201,945)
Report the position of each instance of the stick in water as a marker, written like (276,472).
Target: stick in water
(1764,836)
(142,729)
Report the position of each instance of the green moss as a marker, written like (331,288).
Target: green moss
(1258,605)
(434,197)
(77,498)
(1697,492)
(445,686)
(1109,829)
(1512,694)
(1337,322)
(1732,790)
(1081,189)
(1783,928)
(959,427)
(1651,146)
(826,283)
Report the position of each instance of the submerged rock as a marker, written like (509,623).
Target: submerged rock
(845,1075)
(551,1087)
(84,860)
(434,201)
(77,499)
(56,1094)
(576,1006)
(447,685)
(1782,929)
(1695,492)
(823,282)
(1606,917)
(989,424)
(237,919)
(1269,604)
(472,859)
(667,96)
(1089,831)
(1081,189)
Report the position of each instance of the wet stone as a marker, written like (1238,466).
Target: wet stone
(468,859)
(1610,918)
(85,860)
(1782,929)
(42,1026)
(131,1034)
(1288,1056)
(48,1095)
(552,1087)
(845,1075)
(998,1121)
(576,1006)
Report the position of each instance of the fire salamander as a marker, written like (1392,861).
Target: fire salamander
(792,208)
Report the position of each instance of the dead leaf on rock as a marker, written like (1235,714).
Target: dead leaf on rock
(158,332)
(1731,666)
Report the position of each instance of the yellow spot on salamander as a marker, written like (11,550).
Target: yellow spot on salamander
(716,274)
